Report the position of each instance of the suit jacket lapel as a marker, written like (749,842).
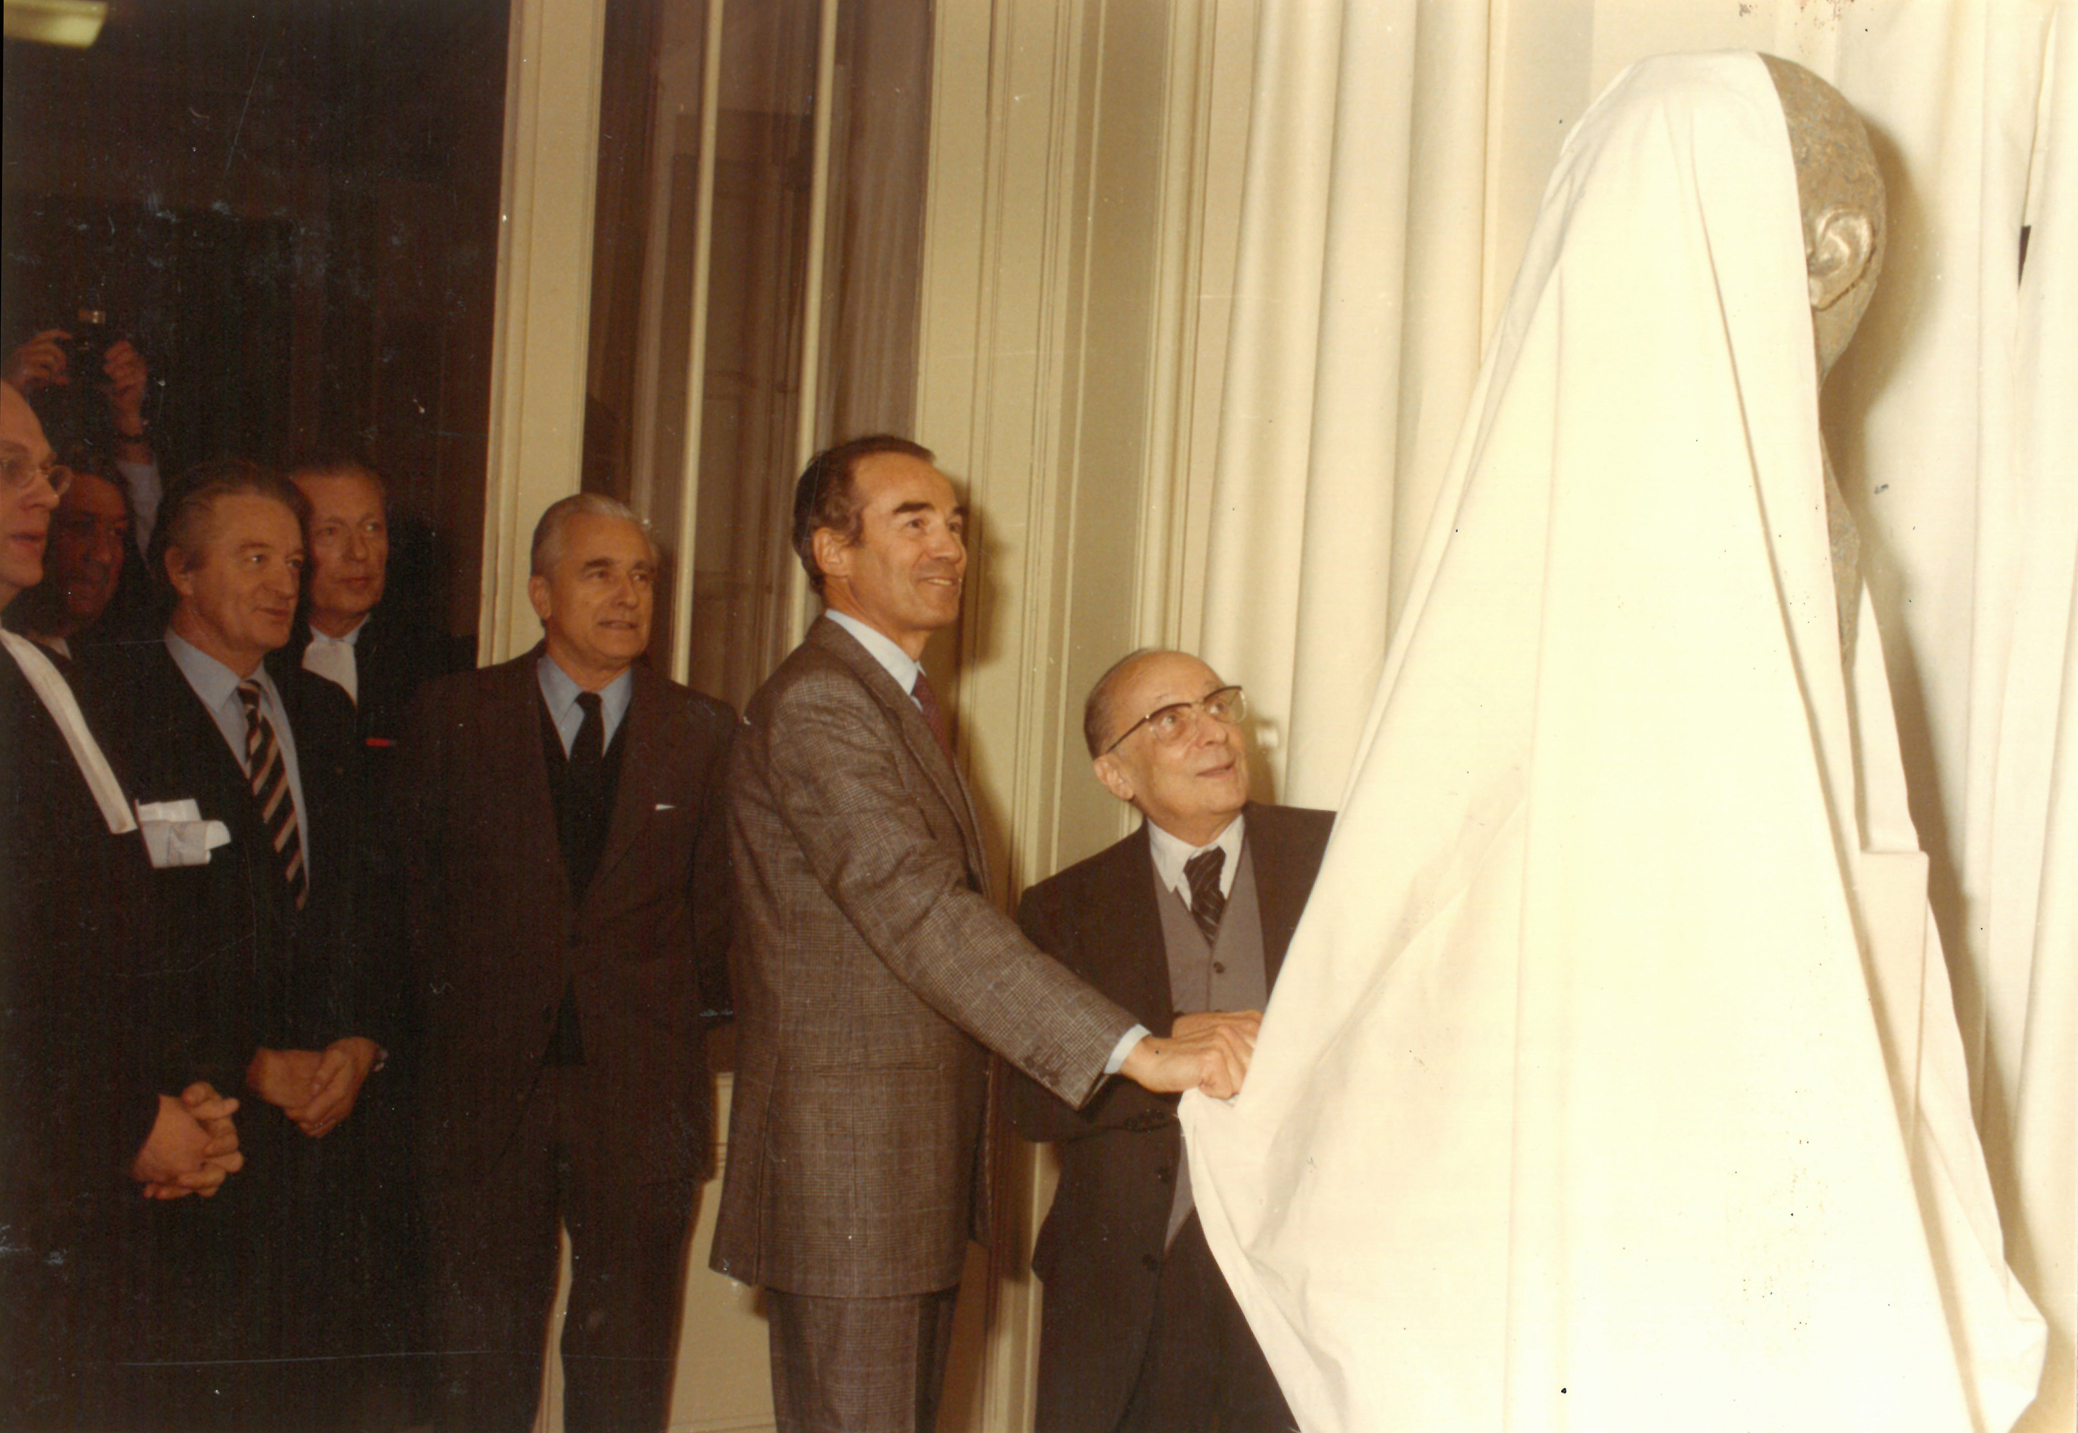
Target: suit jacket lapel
(1136,923)
(1280,900)
(514,764)
(914,731)
(650,751)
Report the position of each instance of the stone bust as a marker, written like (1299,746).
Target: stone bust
(1840,194)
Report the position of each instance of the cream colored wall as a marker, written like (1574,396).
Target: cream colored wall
(1084,193)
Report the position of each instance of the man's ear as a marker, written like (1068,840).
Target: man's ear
(1842,239)
(176,563)
(1114,777)
(831,552)
(537,593)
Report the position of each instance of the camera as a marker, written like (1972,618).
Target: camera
(77,410)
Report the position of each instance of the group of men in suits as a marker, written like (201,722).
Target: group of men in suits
(570,838)
(210,922)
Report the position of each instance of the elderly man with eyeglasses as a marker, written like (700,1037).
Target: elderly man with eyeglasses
(1191,912)
(86,1118)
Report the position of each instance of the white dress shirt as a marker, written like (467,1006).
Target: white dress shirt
(335,659)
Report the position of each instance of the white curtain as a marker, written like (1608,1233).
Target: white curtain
(1355,341)
(1953,420)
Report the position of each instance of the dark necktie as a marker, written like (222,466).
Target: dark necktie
(934,715)
(269,775)
(585,815)
(1207,904)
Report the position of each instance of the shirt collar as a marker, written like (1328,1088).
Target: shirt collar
(904,668)
(1170,853)
(214,682)
(560,692)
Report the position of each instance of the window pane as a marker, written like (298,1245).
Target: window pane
(292,211)
(647,287)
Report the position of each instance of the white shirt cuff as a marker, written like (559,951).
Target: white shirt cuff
(1124,1047)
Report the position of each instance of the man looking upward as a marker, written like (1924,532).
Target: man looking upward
(1191,912)
(875,975)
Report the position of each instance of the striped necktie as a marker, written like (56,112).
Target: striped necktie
(1208,903)
(269,775)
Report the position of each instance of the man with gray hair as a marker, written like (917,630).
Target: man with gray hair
(568,888)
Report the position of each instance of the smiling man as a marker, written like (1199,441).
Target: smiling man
(875,975)
(568,881)
(1191,912)
(252,970)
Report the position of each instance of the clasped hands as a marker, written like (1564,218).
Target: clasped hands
(1208,1051)
(315,1088)
(192,1147)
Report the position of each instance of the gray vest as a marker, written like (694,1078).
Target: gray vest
(1231,974)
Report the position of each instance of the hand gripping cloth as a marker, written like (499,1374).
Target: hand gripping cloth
(1612,1081)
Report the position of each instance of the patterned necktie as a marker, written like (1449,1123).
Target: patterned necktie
(1207,904)
(934,715)
(269,775)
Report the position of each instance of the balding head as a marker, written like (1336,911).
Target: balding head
(1840,192)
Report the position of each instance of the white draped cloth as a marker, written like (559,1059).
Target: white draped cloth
(1612,1081)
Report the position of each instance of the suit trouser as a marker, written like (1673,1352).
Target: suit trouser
(494,1260)
(1203,1371)
(859,1365)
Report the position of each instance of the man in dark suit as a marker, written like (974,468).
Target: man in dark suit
(568,877)
(78,1112)
(250,977)
(874,974)
(85,563)
(378,655)
(1193,911)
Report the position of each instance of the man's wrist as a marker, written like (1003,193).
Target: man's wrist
(1124,1047)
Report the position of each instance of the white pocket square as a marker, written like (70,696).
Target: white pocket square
(665,806)
(176,835)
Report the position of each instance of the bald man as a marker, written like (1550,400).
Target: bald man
(1191,912)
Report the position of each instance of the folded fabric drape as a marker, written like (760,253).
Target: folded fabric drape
(1612,1081)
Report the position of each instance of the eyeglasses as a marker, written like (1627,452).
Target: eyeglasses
(1173,723)
(17,472)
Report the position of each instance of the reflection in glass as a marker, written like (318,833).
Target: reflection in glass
(292,211)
